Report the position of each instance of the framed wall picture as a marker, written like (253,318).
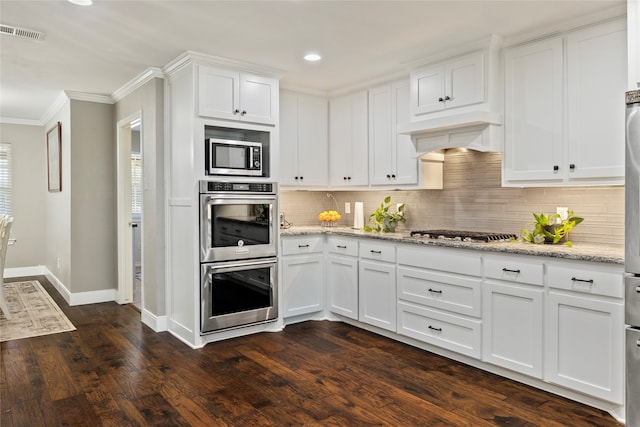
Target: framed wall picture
(54,158)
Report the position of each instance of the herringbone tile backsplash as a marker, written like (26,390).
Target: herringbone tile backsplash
(473,199)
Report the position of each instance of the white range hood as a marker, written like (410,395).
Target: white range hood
(474,130)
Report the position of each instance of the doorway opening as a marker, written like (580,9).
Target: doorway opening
(130,214)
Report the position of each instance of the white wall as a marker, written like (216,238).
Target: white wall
(29,182)
(58,206)
(149,100)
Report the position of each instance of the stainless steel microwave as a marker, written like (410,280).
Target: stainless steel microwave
(228,157)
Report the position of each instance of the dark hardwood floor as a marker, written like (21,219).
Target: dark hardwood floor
(114,371)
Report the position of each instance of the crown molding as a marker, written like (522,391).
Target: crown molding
(55,107)
(89,97)
(26,122)
(137,82)
(189,57)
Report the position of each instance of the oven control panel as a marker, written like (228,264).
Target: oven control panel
(236,187)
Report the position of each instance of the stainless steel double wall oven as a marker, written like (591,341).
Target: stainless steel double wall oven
(238,249)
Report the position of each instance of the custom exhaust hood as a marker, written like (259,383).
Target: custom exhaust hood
(474,130)
(456,99)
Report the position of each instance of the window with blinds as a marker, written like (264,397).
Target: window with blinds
(136,183)
(5,178)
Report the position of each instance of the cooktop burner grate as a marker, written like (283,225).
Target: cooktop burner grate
(464,236)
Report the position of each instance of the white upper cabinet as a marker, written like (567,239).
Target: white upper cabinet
(596,79)
(455,83)
(304,140)
(392,157)
(233,95)
(533,112)
(578,139)
(348,140)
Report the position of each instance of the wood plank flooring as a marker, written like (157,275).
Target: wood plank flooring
(114,371)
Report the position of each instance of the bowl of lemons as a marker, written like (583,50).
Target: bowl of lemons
(329,218)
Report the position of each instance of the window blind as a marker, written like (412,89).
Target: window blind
(136,183)
(5,178)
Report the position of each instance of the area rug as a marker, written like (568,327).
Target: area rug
(33,312)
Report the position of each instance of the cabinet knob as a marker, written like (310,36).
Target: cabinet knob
(441,99)
(243,112)
(301,178)
(296,178)
(344,177)
(572,166)
(447,98)
(556,168)
(393,176)
(388,176)
(236,111)
(349,178)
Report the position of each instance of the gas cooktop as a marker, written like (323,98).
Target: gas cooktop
(464,236)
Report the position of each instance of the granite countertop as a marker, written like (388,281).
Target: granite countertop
(579,251)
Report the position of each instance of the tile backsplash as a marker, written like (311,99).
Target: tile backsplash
(473,199)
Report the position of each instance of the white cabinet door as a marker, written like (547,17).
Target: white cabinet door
(288,174)
(534,112)
(585,345)
(392,157)
(232,95)
(452,84)
(427,89)
(342,285)
(303,139)
(348,140)
(464,81)
(377,294)
(512,327)
(406,162)
(218,92)
(303,284)
(381,146)
(258,99)
(596,78)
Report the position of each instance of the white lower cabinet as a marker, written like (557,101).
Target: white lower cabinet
(513,306)
(303,269)
(342,277)
(456,333)
(585,331)
(377,285)
(512,328)
(439,297)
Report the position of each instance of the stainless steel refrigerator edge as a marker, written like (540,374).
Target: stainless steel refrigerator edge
(632,258)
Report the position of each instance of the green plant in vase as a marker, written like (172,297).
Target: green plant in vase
(383,219)
(551,228)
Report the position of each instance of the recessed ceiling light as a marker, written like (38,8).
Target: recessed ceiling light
(82,2)
(312,57)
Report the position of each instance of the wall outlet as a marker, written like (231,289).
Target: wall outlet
(347,207)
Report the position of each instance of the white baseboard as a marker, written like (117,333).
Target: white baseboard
(157,323)
(37,270)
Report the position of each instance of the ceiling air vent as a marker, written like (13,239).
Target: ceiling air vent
(21,32)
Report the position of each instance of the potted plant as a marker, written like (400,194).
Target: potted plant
(551,228)
(383,219)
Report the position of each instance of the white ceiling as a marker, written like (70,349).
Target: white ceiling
(97,49)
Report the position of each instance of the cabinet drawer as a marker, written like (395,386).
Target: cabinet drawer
(589,278)
(444,330)
(514,270)
(378,251)
(444,291)
(301,245)
(337,245)
(453,260)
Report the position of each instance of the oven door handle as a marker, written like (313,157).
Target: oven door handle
(234,265)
